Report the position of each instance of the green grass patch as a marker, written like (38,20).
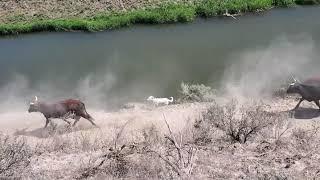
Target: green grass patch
(210,8)
(307,2)
(283,3)
(164,14)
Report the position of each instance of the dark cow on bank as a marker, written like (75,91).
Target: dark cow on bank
(65,109)
(309,90)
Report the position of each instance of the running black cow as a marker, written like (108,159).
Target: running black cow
(64,109)
(308,89)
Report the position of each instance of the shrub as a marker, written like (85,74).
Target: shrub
(14,154)
(238,123)
(203,132)
(113,162)
(177,155)
(195,93)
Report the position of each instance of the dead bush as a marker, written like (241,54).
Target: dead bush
(14,155)
(177,155)
(275,136)
(150,135)
(238,122)
(114,162)
(153,157)
(203,132)
(280,126)
(306,139)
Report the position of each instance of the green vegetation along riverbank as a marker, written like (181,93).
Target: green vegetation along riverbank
(29,16)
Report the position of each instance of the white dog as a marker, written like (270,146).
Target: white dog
(158,101)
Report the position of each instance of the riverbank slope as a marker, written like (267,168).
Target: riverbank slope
(33,16)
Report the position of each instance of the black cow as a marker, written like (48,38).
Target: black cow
(309,90)
(65,109)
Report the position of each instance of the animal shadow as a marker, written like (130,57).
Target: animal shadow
(49,131)
(306,113)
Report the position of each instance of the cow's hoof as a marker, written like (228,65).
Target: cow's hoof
(294,109)
(291,113)
(96,126)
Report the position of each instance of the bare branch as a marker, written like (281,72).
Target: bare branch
(120,133)
(173,139)
(175,169)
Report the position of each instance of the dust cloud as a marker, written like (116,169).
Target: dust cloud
(18,93)
(256,72)
(252,74)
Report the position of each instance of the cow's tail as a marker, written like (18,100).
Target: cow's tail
(86,114)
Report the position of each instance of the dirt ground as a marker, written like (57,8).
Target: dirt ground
(140,115)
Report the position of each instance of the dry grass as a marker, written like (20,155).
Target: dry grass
(26,10)
(229,141)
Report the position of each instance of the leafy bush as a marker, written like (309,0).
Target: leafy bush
(195,93)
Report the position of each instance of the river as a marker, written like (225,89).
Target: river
(133,63)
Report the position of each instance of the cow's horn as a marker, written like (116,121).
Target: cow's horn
(294,79)
(298,81)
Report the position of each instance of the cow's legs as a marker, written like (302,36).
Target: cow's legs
(70,114)
(52,123)
(89,118)
(47,122)
(65,120)
(77,118)
(302,99)
(317,103)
